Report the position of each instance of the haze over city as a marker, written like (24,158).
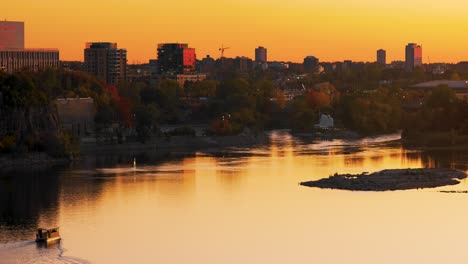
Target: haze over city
(331,30)
(212,132)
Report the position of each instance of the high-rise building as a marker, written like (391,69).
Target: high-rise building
(243,64)
(176,58)
(310,62)
(13,60)
(11,35)
(260,55)
(14,57)
(106,61)
(207,65)
(381,57)
(413,56)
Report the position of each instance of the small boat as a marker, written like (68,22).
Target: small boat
(47,235)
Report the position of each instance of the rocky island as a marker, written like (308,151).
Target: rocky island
(390,180)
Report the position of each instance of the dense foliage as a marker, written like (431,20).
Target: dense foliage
(442,120)
(29,122)
(366,98)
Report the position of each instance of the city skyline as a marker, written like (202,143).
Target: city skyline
(290,30)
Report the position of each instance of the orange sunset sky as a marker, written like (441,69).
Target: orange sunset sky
(332,30)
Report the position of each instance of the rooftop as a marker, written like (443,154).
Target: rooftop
(54,50)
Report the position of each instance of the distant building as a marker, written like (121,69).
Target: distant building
(76,115)
(72,65)
(459,87)
(413,56)
(207,65)
(278,65)
(296,67)
(461,66)
(243,64)
(105,61)
(176,58)
(11,35)
(347,63)
(260,55)
(225,64)
(182,78)
(32,59)
(154,67)
(438,68)
(310,62)
(381,57)
(397,65)
(139,72)
(14,57)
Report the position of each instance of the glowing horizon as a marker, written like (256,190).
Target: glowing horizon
(292,30)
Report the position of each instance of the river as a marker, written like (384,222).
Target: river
(238,205)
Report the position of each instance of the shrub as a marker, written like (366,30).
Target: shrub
(8,144)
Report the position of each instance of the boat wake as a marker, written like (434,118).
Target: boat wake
(31,252)
(66,258)
(16,245)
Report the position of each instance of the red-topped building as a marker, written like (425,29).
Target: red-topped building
(176,58)
(14,57)
(413,56)
(11,35)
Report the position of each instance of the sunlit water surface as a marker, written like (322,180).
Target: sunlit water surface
(242,205)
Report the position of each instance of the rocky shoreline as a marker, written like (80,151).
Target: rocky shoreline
(390,180)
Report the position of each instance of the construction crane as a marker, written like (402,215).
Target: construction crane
(222,49)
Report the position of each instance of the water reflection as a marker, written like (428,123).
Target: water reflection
(26,199)
(240,205)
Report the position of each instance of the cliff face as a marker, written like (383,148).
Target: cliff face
(32,128)
(29,120)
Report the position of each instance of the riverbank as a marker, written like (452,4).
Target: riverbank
(158,147)
(390,180)
(30,161)
(174,143)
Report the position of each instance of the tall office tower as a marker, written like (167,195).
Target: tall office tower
(14,57)
(381,57)
(105,61)
(413,55)
(261,54)
(176,58)
(11,35)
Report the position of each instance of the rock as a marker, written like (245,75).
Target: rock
(386,180)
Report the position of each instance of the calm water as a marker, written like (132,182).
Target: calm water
(237,206)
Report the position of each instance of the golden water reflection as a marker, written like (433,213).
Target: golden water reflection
(245,206)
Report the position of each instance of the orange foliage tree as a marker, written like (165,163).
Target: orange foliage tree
(317,100)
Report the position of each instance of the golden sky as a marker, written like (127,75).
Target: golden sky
(332,30)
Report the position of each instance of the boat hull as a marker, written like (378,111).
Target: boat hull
(49,240)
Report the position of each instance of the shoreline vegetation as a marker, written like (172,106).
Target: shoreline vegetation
(174,143)
(357,103)
(390,180)
(161,145)
(31,161)
(43,160)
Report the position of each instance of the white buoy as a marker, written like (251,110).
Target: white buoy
(134,162)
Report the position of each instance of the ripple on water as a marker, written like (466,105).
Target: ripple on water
(30,252)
